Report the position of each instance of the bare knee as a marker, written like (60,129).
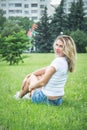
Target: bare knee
(33,78)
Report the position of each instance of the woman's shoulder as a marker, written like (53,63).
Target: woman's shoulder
(60,59)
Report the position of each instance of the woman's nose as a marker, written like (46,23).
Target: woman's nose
(57,47)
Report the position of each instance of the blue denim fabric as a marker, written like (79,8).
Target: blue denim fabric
(39,97)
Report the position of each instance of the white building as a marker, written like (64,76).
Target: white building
(67,6)
(33,9)
(25,8)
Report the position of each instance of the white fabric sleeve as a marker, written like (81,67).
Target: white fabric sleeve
(56,63)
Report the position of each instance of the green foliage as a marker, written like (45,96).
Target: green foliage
(24,22)
(76,16)
(12,47)
(13,41)
(72,17)
(2,20)
(59,21)
(80,38)
(80,15)
(10,27)
(49,27)
(24,115)
(42,38)
(85,25)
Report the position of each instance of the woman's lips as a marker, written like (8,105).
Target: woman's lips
(57,51)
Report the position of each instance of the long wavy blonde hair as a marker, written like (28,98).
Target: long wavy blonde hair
(69,50)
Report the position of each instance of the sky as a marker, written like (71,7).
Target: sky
(55,2)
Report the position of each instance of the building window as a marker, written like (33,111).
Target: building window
(4,11)
(18,11)
(26,12)
(34,0)
(11,11)
(3,0)
(18,5)
(42,0)
(34,11)
(15,11)
(11,4)
(34,5)
(3,5)
(13,1)
(42,12)
(34,18)
(42,6)
(26,5)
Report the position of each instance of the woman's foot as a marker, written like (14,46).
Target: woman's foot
(16,96)
(27,96)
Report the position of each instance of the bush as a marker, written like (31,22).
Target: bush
(80,39)
(12,46)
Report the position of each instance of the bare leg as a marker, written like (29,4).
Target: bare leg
(25,89)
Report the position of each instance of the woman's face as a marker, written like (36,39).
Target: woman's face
(58,48)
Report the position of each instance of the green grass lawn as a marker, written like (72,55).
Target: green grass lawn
(24,115)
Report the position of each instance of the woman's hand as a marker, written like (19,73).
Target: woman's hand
(31,87)
(25,81)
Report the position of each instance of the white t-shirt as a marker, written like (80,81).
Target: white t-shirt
(55,86)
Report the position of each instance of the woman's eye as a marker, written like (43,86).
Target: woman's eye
(61,46)
(56,44)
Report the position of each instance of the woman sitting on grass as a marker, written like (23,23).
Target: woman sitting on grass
(46,85)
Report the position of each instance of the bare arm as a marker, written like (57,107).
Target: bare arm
(43,81)
(38,72)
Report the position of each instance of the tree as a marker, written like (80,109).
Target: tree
(10,27)
(72,17)
(80,14)
(59,21)
(85,25)
(76,16)
(13,41)
(12,47)
(25,23)
(42,38)
(80,39)
(2,20)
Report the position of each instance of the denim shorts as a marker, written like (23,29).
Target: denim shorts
(39,97)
